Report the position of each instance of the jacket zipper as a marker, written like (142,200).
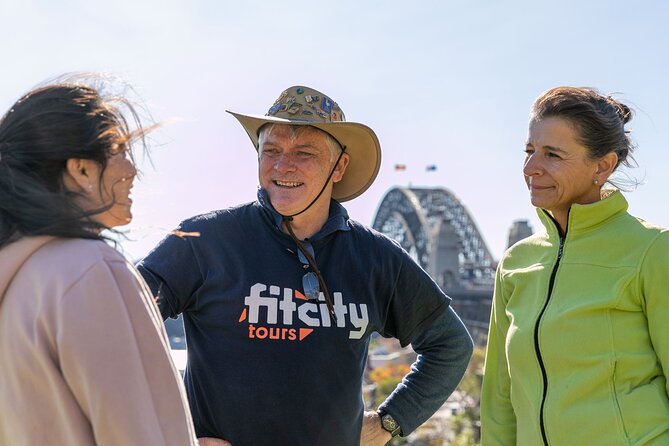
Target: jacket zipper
(536,341)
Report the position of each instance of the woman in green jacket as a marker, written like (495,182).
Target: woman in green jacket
(579,332)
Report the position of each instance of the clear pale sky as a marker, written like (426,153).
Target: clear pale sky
(441,82)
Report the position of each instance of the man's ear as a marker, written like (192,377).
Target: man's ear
(605,166)
(341,168)
(79,175)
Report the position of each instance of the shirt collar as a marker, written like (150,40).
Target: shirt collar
(337,216)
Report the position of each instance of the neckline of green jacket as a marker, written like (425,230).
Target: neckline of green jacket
(586,217)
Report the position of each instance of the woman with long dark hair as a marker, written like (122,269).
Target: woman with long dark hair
(84,355)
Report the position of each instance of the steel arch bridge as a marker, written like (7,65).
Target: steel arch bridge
(438,231)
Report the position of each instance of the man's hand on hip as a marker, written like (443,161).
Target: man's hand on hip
(373,434)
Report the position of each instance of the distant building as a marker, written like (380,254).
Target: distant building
(520,229)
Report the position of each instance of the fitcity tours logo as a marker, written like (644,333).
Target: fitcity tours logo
(285,309)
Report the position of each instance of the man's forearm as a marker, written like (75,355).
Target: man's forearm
(444,349)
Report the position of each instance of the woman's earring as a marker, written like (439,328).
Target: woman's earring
(596,182)
(90,187)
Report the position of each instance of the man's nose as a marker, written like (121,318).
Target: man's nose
(284,163)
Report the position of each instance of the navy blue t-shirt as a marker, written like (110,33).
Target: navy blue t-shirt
(265,365)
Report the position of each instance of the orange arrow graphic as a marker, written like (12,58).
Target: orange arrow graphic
(304,332)
(300,295)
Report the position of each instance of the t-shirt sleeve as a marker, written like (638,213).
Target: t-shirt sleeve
(113,354)
(173,274)
(416,300)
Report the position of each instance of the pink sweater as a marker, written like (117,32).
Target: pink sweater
(84,358)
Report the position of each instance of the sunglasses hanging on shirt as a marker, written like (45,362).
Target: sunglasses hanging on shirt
(312,281)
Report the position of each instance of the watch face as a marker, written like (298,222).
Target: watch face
(389,423)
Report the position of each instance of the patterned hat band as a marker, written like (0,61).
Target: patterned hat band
(306,104)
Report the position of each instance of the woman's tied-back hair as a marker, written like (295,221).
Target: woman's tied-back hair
(599,120)
(40,132)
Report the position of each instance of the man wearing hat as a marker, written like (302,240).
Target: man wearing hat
(281,296)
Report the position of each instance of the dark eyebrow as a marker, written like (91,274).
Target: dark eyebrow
(555,149)
(549,148)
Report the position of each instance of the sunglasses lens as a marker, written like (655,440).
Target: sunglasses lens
(310,285)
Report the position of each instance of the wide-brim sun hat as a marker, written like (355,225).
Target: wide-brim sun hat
(299,105)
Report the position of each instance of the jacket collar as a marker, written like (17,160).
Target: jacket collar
(585,217)
(337,217)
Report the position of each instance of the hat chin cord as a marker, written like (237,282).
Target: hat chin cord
(312,262)
(290,217)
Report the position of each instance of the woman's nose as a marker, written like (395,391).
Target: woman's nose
(531,166)
(130,169)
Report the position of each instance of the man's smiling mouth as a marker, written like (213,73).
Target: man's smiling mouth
(287,183)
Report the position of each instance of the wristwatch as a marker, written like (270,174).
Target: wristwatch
(389,423)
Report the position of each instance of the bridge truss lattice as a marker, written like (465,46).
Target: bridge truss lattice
(438,231)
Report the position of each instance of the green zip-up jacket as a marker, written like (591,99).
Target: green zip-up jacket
(578,346)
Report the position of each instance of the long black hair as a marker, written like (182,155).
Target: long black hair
(47,126)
